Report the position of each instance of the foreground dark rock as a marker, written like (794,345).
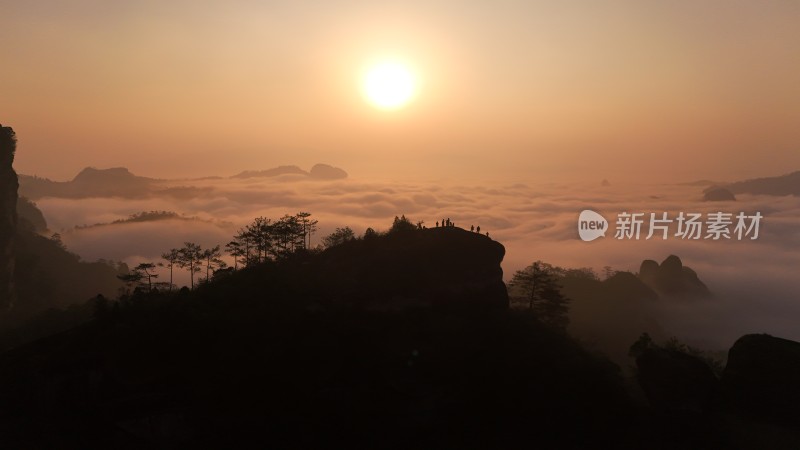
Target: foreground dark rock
(675,382)
(8,217)
(763,376)
(753,406)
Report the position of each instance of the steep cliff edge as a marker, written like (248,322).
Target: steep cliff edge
(438,267)
(9,185)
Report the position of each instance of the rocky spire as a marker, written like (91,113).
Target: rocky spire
(8,216)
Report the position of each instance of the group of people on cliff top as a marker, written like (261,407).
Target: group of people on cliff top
(448,223)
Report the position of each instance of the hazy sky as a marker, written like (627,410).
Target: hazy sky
(628,89)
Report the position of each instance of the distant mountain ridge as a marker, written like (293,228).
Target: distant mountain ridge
(318,171)
(274,172)
(121,182)
(788,184)
(89,182)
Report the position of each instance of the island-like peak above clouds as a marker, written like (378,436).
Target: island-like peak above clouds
(92,175)
(788,184)
(326,172)
(319,171)
(121,182)
(90,182)
(274,172)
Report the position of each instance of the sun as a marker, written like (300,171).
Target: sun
(389,84)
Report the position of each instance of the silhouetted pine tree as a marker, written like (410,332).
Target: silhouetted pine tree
(340,236)
(537,285)
(172,258)
(190,257)
(213,260)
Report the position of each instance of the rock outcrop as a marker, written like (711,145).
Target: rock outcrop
(718,194)
(9,185)
(672,278)
(676,382)
(763,376)
(326,172)
(436,267)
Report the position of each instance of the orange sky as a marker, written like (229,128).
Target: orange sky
(627,89)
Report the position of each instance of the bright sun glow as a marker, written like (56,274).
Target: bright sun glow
(389,84)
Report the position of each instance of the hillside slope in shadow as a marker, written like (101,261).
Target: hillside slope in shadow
(397,340)
(392,341)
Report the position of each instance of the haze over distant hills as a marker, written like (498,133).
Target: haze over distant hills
(319,171)
(788,184)
(780,185)
(120,182)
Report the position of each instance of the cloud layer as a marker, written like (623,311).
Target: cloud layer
(754,280)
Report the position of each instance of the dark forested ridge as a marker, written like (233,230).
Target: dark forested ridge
(52,287)
(38,276)
(320,350)
(389,341)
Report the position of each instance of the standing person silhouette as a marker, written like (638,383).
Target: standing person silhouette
(479,228)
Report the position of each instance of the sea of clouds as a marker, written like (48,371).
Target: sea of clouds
(755,282)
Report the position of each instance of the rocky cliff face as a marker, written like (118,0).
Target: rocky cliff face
(437,267)
(672,278)
(763,376)
(8,216)
(675,382)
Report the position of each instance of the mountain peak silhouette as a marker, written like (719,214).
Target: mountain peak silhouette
(671,277)
(113,174)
